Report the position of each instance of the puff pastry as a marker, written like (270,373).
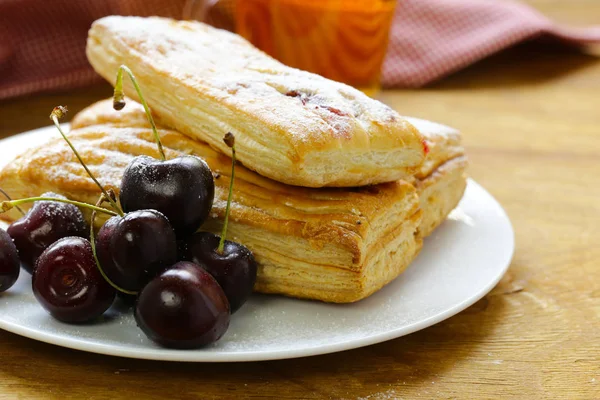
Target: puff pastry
(337,245)
(291,126)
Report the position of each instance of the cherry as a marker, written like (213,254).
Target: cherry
(68,284)
(9,262)
(181,188)
(45,223)
(183,307)
(234,267)
(103,241)
(134,248)
(230,263)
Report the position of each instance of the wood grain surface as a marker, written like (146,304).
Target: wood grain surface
(531,123)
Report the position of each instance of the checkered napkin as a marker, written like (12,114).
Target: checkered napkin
(432,38)
(42,42)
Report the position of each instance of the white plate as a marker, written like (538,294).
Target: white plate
(459,264)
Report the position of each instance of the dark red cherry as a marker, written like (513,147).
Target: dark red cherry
(45,223)
(234,268)
(134,248)
(181,188)
(183,307)
(103,253)
(9,262)
(68,284)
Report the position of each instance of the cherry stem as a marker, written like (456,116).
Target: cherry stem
(229,140)
(59,112)
(93,243)
(7,205)
(9,199)
(119,103)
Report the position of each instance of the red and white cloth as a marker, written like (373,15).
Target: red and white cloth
(42,43)
(432,38)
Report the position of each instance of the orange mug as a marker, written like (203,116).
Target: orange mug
(343,40)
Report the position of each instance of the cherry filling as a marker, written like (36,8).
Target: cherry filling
(304,98)
(295,93)
(335,111)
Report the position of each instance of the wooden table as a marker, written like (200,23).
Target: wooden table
(531,124)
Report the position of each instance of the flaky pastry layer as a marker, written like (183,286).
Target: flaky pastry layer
(292,126)
(336,245)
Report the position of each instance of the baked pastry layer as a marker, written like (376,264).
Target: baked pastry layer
(443,143)
(292,126)
(336,245)
(440,192)
(440,179)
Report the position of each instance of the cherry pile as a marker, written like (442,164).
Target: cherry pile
(185,284)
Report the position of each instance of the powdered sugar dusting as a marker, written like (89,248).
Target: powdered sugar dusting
(327,115)
(68,214)
(386,395)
